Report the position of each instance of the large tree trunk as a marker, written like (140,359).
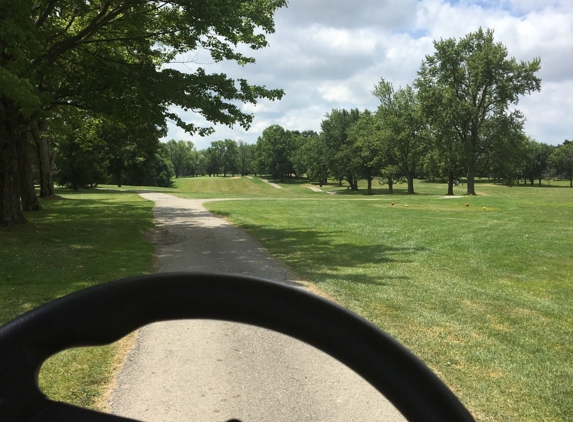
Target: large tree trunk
(30,201)
(410,178)
(369,186)
(353,183)
(471,179)
(450,182)
(10,211)
(45,160)
(390,185)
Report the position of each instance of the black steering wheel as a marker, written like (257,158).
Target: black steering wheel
(103,314)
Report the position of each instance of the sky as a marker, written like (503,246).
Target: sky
(329,54)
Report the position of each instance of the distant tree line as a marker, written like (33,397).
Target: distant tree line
(352,145)
(221,158)
(87,151)
(355,145)
(457,120)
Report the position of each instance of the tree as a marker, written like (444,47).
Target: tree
(246,152)
(183,157)
(367,137)
(407,133)
(443,159)
(315,151)
(160,168)
(334,130)
(179,154)
(298,155)
(537,158)
(80,158)
(57,54)
(503,149)
(154,169)
(213,157)
(562,160)
(468,86)
(126,143)
(273,150)
(230,157)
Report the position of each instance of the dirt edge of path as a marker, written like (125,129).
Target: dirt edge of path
(123,348)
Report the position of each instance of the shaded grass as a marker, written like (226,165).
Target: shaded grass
(484,297)
(81,240)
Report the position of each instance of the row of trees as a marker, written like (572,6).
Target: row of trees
(88,160)
(221,158)
(89,76)
(86,151)
(354,145)
(351,146)
(546,162)
(457,119)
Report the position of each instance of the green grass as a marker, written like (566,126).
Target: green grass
(241,187)
(79,241)
(484,297)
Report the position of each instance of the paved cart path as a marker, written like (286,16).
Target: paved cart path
(213,371)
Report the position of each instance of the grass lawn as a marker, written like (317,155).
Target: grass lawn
(240,187)
(78,241)
(483,296)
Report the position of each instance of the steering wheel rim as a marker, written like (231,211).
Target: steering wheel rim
(105,313)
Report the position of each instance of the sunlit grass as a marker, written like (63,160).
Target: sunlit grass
(483,296)
(240,187)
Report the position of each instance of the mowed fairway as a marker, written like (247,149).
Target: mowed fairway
(484,297)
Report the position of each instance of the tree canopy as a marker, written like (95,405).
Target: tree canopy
(406,132)
(562,160)
(466,88)
(107,58)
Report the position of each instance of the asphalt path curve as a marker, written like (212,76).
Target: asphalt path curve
(213,371)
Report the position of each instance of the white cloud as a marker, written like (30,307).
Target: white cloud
(343,42)
(549,113)
(336,93)
(383,14)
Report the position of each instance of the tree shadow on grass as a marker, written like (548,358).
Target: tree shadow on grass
(321,256)
(98,210)
(72,244)
(313,254)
